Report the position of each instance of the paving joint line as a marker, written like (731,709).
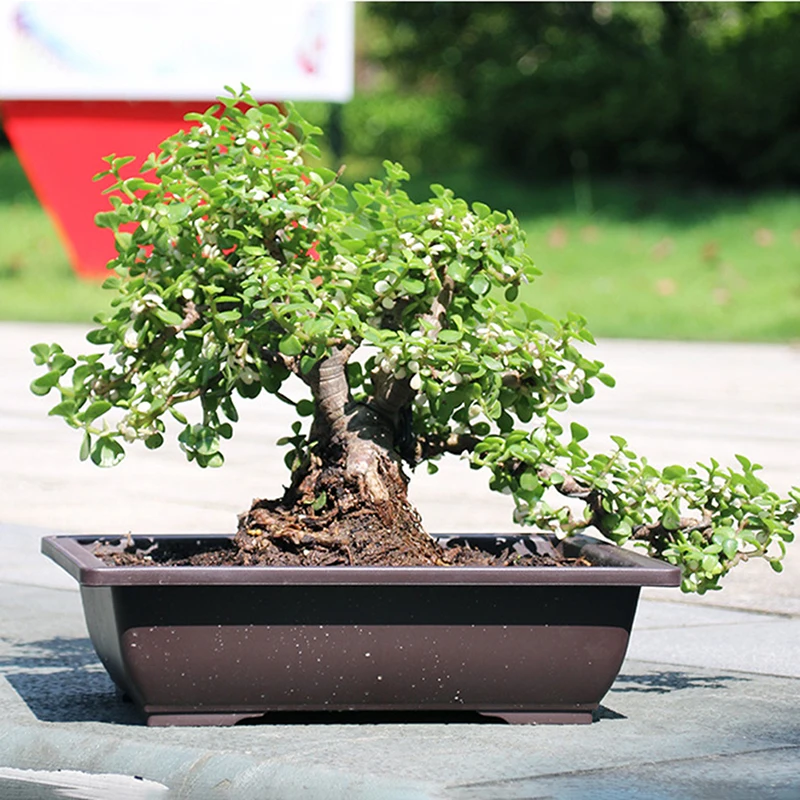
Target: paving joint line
(601,770)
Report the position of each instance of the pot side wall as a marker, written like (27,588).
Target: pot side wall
(248,650)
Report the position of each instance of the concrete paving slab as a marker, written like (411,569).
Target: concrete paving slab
(21,562)
(769,646)
(713,638)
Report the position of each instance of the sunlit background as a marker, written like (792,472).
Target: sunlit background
(651,150)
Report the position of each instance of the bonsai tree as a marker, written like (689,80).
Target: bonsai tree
(392,329)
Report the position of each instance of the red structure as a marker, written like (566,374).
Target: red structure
(61,144)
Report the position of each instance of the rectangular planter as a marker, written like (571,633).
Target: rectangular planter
(216,645)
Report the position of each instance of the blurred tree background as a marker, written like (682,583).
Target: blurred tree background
(704,92)
(651,151)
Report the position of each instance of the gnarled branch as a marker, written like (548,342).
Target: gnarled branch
(393,394)
(428,446)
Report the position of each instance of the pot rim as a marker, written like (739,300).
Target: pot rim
(611,566)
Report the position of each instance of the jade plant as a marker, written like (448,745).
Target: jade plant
(394,331)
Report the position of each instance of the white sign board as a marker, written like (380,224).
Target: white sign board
(175,50)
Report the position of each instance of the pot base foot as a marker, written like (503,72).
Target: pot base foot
(542,717)
(287,717)
(183,720)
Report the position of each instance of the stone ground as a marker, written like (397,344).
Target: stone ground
(706,705)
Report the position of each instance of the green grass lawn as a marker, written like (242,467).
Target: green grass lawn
(721,268)
(642,262)
(650,262)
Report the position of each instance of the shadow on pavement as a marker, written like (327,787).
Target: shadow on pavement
(665,681)
(61,680)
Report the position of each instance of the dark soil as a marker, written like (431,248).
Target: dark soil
(235,552)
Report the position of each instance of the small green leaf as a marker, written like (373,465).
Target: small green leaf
(86,446)
(673,473)
(229,409)
(61,362)
(305,408)
(482,210)
(709,563)
(206,441)
(307,363)
(623,529)
(213,460)
(64,409)
(178,416)
(412,286)
(579,433)
(290,346)
(511,293)
(123,240)
(730,547)
(607,379)
(458,271)
(209,183)
(250,390)
(153,441)
(168,317)
(670,519)
(95,410)
(320,501)
(107,452)
(176,212)
(41,352)
(44,383)
(100,336)
(480,285)
(534,314)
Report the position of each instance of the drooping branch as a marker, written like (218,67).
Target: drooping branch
(572,488)
(656,530)
(569,487)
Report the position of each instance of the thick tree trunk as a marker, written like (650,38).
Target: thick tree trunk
(348,503)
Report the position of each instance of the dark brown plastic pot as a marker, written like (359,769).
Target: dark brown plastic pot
(215,645)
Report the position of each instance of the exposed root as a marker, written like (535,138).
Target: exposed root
(270,533)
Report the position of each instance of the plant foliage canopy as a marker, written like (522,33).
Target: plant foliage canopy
(239,268)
